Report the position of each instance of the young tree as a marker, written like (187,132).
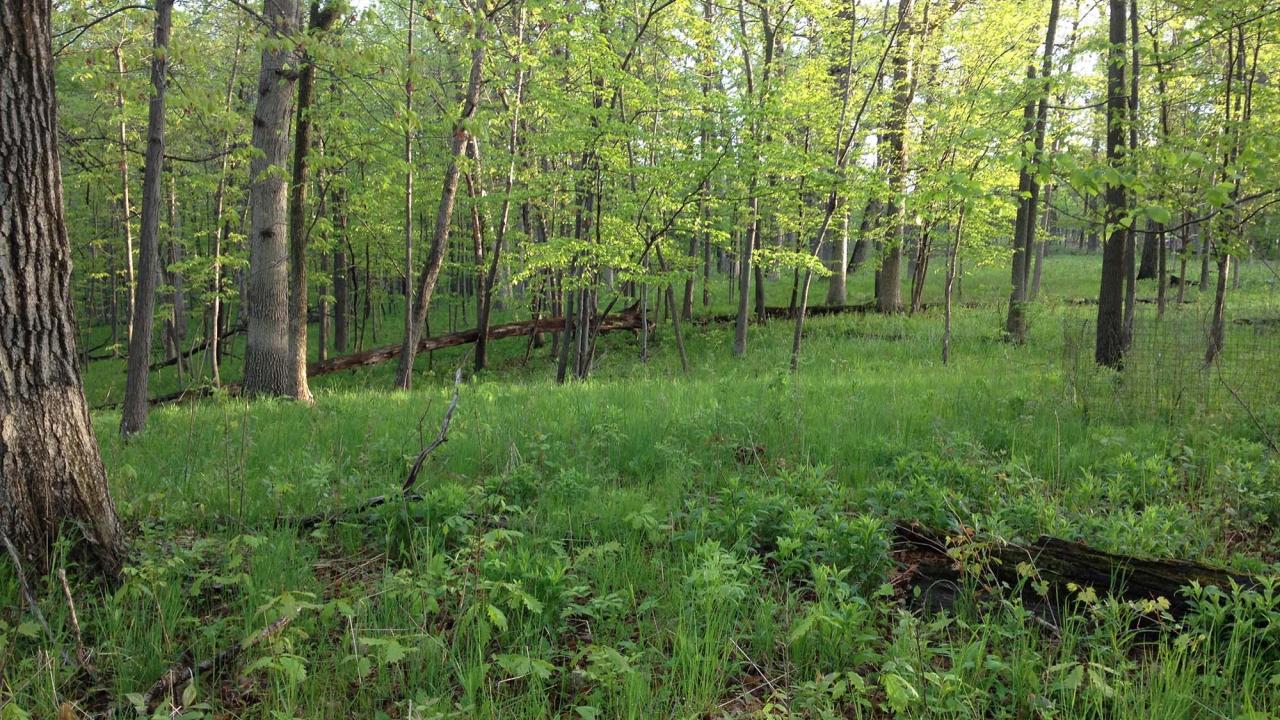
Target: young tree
(51,475)
(134,416)
(1110,344)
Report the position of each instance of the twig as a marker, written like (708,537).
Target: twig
(310,521)
(441,438)
(1271,442)
(26,589)
(181,673)
(81,654)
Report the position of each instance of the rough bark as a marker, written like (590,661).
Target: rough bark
(134,416)
(270,367)
(51,474)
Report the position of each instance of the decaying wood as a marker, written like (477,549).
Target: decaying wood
(1060,563)
(784,312)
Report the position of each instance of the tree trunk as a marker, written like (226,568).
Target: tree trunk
(51,474)
(838,264)
(1025,233)
(1110,347)
(744,273)
(134,415)
(444,214)
(270,367)
(222,228)
(126,209)
(889,287)
(1131,233)
(320,20)
(504,216)
(1149,264)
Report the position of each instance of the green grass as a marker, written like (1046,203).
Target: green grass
(649,544)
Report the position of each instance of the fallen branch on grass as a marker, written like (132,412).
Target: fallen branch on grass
(933,558)
(311,521)
(196,349)
(172,682)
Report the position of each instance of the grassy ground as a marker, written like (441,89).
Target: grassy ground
(647,544)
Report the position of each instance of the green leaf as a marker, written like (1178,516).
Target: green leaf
(900,693)
(497,617)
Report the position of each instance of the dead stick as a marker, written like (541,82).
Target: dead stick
(26,589)
(81,654)
(180,673)
(441,437)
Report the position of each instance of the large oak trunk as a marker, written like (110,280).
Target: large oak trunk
(51,475)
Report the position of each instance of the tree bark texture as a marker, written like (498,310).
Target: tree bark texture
(51,474)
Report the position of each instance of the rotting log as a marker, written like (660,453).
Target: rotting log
(935,557)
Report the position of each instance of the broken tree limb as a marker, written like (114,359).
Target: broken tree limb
(784,312)
(174,679)
(196,349)
(310,521)
(441,437)
(1060,563)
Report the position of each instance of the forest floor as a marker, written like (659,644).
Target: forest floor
(649,544)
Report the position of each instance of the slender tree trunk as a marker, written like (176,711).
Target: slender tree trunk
(744,273)
(409,121)
(513,140)
(321,19)
(222,228)
(1110,345)
(341,296)
(889,287)
(444,214)
(1016,323)
(126,208)
(1131,234)
(51,474)
(134,415)
(952,259)
(270,366)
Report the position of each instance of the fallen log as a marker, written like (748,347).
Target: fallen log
(785,312)
(934,556)
(627,320)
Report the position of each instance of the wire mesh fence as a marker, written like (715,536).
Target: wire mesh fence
(1165,370)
